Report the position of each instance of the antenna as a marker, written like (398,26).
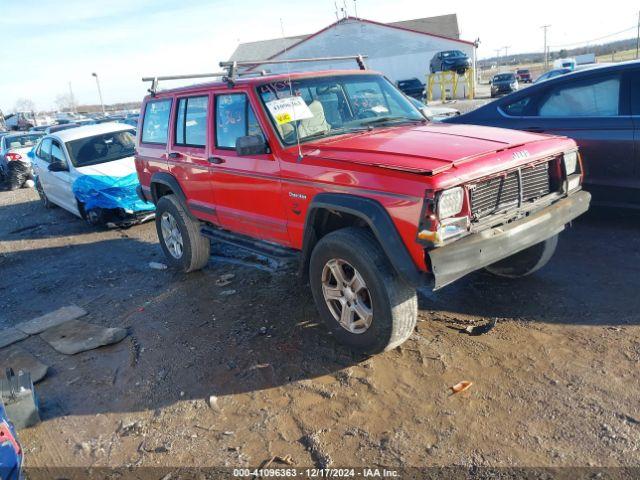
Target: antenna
(346,10)
(336,12)
(355,8)
(295,125)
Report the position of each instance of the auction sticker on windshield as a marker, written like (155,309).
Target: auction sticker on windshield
(289,109)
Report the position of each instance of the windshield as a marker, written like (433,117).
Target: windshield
(452,53)
(523,71)
(22,141)
(505,77)
(101,148)
(328,106)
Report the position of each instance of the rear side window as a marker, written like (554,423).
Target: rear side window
(234,118)
(191,121)
(598,97)
(156,122)
(44,150)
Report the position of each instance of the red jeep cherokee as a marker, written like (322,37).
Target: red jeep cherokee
(340,169)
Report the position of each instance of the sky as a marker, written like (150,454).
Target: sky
(48,44)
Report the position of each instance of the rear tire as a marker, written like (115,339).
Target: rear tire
(381,309)
(525,262)
(46,203)
(179,235)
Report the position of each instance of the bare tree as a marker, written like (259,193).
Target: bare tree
(24,105)
(65,101)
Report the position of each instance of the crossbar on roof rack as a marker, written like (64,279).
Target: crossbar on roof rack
(231,72)
(224,75)
(232,66)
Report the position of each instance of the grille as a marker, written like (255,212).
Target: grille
(503,192)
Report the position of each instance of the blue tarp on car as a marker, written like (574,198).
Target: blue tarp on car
(10,459)
(101,191)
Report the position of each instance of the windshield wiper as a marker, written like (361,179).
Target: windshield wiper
(335,131)
(389,119)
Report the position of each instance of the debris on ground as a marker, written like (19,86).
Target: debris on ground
(9,336)
(213,403)
(480,329)
(461,387)
(314,445)
(224,280)
(77,336)
(51,319)
(20,360)
(226,293)
(157,266)
(18,396)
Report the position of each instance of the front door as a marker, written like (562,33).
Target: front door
(61,183)
(248,189)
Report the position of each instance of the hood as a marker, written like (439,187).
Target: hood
(427,149)
(115,168)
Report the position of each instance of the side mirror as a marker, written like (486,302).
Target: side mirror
(58,166)
(251,145)
(31,154)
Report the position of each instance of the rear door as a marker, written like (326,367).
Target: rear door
(188,154)
(41,162)
(592,110)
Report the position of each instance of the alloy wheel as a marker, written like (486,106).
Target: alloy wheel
(347,296)
(171,235)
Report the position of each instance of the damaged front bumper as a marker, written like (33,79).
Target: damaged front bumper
(479,250)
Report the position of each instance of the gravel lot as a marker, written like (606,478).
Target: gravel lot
(556,382)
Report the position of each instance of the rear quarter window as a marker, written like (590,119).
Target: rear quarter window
(155,126)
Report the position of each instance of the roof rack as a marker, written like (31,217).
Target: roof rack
(231,72)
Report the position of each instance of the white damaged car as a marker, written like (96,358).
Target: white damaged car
(90,172)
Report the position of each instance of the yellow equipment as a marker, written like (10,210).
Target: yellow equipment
(444,79)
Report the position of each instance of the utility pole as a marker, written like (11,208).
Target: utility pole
(72,99)
(506,55)
(638,38)
(546,54)
(99,92)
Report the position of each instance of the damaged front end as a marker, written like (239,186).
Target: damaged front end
(111,201)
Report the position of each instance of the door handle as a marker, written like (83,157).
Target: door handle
(216,160)
(174,154)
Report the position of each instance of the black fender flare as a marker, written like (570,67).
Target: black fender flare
(168,180)
(380,223)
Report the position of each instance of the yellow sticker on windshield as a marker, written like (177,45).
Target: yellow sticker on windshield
(283,118)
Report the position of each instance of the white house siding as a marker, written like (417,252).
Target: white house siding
(398,54)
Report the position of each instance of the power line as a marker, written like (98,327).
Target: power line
(594,39)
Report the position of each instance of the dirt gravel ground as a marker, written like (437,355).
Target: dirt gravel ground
(555,383)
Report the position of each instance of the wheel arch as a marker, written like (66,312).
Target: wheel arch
(358,211)
(163,183)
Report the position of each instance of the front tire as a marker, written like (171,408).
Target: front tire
(525,262)
(360,297)
(179,235)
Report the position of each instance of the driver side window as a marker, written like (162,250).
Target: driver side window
(234,118)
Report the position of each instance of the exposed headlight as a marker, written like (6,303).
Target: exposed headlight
(450,202)
(570,162)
